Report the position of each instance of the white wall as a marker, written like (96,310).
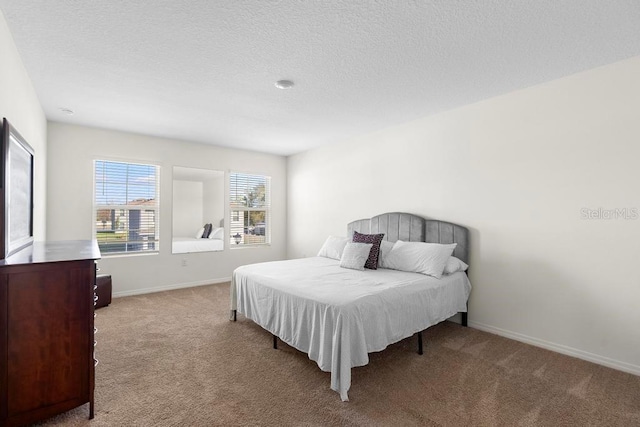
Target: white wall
(188,208)
(72,150)
(517,170)
(213,192)
(19,104)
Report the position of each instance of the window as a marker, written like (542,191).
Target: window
(250,206)
(126,207)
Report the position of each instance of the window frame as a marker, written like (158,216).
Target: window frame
(125,208)
(233,244)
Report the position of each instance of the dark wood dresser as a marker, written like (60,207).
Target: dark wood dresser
(46,330)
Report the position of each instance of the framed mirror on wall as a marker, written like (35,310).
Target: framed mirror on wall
(198,210)
(16,191)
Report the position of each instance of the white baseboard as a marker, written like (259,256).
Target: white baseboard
(558,348)
(170,287)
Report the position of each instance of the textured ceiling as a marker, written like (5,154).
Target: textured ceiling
(204,70)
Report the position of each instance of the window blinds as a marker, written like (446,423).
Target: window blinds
(249,205)
(126,206)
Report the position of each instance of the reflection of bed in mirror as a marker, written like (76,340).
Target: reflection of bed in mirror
(198,199)
(183,245)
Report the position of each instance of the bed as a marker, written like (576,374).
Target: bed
(336,315)
(207,238)
(183,245)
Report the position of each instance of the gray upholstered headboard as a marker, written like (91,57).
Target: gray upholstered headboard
(413,228)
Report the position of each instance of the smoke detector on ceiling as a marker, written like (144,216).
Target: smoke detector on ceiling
(284,84)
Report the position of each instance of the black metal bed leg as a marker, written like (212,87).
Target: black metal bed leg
(420,342)
(464,318)
(234,314)
(275,342)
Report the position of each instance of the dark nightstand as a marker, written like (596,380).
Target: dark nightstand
(103,282)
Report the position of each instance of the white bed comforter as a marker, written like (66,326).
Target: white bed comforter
(336,315)
(183,245)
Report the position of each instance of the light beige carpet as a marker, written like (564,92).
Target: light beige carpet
(174,359)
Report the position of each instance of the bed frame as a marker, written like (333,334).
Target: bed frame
(410,228)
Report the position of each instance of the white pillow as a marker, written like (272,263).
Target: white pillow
(419,257)
(333,247)
(355,255)
(454,265)
(385,248)
(217,233)
(200,233)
